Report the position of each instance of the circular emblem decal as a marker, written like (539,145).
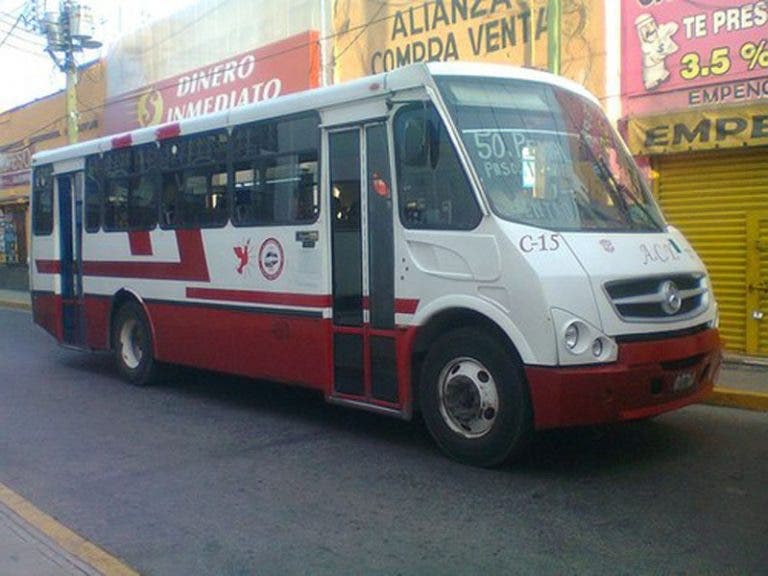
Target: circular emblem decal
(271,259)
(671,300)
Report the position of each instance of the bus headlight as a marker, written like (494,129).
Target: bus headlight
(571,335)
(580,342)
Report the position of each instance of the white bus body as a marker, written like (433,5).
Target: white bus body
(470,240)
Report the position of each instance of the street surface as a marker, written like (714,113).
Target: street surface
(206,474)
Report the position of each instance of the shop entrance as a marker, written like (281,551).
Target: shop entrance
(718,199)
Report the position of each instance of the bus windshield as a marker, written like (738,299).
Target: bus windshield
(547,157)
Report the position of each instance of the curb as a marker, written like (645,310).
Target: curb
(16,305)
(733,398)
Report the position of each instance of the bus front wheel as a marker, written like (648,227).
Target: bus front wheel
(474,398)
(132,342)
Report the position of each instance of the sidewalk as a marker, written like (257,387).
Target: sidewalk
(32,543)
(25,551)
(15,299)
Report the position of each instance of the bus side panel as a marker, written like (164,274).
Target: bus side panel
(97,309)
(291,349)
(46,312)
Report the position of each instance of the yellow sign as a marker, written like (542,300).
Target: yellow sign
(700,130)
(374,36)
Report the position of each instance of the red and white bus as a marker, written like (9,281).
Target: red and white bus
(471,241)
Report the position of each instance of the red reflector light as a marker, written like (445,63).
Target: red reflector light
(168,131)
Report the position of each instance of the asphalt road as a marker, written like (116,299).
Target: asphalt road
(207,474)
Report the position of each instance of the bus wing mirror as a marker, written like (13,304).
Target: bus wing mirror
(415,146)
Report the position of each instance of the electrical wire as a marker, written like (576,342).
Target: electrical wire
(8,34)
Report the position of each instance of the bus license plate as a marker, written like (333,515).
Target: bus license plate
(683,381)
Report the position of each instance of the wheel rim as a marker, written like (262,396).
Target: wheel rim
(131,344)
(469,399)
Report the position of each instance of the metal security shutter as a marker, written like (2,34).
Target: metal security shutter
(709,196)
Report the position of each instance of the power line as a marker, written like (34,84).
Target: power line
(8,34)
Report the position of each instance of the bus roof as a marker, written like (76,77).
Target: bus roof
(407,77)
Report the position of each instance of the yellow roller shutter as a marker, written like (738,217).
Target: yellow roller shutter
(711,196)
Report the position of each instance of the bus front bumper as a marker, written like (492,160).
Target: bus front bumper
(649,378)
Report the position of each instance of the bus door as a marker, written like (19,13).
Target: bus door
(70,188)
(362,249)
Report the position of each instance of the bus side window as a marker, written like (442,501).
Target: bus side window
(194,182)
(171,184)
(434,192)
(93,186)
(276,172)
(116,205)
(42,192)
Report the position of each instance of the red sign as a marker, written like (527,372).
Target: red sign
(290,65)
(679,54)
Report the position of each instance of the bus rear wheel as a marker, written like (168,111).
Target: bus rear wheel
(474,399)
(132,343)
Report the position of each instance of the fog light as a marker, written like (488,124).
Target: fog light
(597,348)
(572,336)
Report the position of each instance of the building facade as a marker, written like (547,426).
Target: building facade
(695,98)
(39,125)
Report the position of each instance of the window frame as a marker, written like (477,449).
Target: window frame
(429,109)
(47,230)
(261,163)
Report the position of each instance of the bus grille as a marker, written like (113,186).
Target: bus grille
(659,299)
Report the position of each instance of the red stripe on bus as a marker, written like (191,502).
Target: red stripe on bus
(168,131)
(192,265)
(48,266)
(406,306)
(253,297)
(140,242)
(124,141)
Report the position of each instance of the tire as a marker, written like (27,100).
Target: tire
(133,347)
(474,399)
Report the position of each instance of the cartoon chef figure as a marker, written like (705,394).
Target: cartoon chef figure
(656,43)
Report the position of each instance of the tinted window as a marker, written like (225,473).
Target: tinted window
(94,181)
(42,192)
(276,172)
(130,202)
(434,192)
(194,181)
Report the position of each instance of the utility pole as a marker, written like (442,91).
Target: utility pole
(554,17)
(69,30)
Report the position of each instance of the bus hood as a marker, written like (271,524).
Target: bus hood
(643,264)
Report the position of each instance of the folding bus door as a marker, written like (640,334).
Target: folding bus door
(70,189)
(364,332)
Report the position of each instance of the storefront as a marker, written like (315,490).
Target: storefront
(695,86)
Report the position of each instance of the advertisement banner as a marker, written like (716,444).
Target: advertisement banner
(681,55)
(267,72)
(700,130)
(372,36)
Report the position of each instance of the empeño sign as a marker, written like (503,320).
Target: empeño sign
(280,68)
(700,130)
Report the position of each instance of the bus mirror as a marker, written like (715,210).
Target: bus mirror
(415,145)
